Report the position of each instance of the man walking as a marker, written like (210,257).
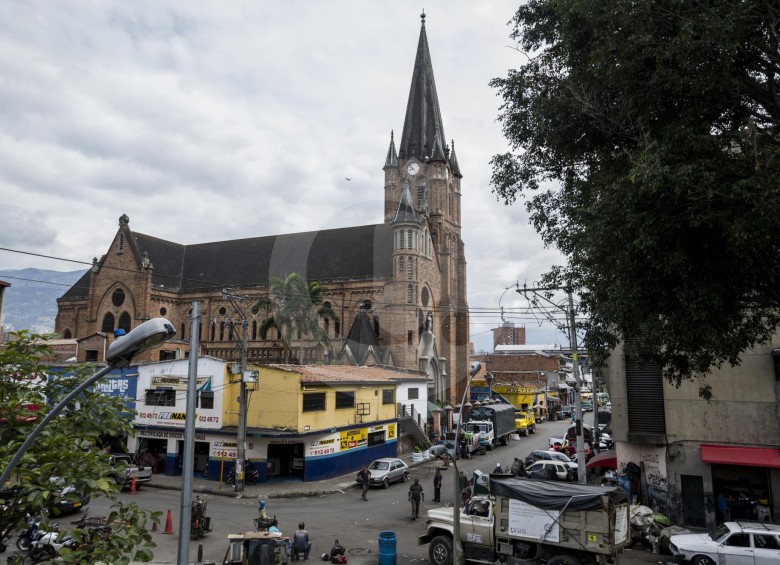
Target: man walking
(416,495)
(437,485)
(363,477)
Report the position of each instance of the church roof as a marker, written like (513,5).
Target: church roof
(361,338)
(405,213)
(423,117)
(361,252)
(454,162)
(392,156)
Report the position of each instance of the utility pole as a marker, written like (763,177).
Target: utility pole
(242,396)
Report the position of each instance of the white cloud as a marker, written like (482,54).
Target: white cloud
(208,121)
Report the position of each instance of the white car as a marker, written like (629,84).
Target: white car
(387,470)
(731,543)
(562,470)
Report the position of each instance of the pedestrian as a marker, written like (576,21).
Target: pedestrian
(573,418)
(301,543)
(437,486)
(464,487)
(724,507)
(463,445)
(363,476)
(416,495)
(274,527)
(518,469)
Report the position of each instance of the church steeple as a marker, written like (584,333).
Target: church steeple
(392,157)
(423,117)
(454,162)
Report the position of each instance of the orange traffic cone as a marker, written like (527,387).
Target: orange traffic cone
(132,486)
(169,524)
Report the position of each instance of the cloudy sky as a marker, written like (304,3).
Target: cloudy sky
(207,121)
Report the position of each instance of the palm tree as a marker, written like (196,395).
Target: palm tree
(294,307)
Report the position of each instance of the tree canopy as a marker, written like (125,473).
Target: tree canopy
(644,140)
(69,448)
(295,307)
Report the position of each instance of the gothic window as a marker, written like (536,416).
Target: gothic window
(326,326)
(410,337)
(213,330)
(118,297)
(336,328)
(400,239)
(376,326)
(121,242)
(420,195)
(124,322)
(424,296)
(108,323)
(66,334)
(222,331)
(410,294)
(182,334)
(409,239)
(401,264)
(409,268)
(254,330)
(449,203)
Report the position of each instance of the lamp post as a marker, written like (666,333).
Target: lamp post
(148,335)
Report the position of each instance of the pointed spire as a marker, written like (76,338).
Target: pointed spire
(392,157)
(454,161)
(422,109)
(405,212)
(437,153)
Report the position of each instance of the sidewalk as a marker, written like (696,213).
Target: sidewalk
(272,489)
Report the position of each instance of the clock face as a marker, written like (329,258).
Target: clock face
(413,168)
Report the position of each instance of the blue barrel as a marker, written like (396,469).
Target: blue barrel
(386,548)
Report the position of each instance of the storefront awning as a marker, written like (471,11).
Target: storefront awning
(746,456)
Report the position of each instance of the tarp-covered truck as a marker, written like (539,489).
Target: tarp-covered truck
(523,521)
(493,423)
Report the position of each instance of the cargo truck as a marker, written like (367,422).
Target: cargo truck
(492,424)
(524,521)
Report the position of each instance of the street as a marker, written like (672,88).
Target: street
(356,524)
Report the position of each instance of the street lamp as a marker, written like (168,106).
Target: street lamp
(148,335)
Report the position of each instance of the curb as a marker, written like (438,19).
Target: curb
(314,493)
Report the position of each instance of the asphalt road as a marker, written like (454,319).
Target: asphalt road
(343,516)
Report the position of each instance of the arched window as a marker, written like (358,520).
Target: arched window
(400,239)
(376,326)
(326,326)
(222,331)
(409,294)
(409,239)
(182,334)
(118,297)
(401,264)
(254,329)
(121,242)
(66,334)
(409,268)
(108,323)
(124,322)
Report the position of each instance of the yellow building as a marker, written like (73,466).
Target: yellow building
(316,421)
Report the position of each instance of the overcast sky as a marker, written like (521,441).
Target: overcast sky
(208,121)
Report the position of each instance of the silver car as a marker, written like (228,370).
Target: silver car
(387,470)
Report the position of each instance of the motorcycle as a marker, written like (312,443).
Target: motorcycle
(28,536)
(251,476)
(48,544)
(200,524)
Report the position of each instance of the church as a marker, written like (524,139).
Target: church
(398,288)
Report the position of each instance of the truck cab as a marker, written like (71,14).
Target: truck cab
(483,432)
(525,422)
(476,531)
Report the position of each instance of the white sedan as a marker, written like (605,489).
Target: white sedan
(731,543)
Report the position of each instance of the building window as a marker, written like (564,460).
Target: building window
(167,355)
(409,337)
(91,355)
(121,242)
(124,322)
(336,328)
(326,326)
(376,326)
(160,397)
(118,297)
(345,399)
(222,311)
(206,400)
(413,394)
(163,311)
(409,268)
(108,323)
(66,334)
(409,239)
(254,330)
(314,402)
(388,396)
(182,333)
(401,264)
(400,239)
(376,438)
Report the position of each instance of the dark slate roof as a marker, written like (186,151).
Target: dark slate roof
(392,157)
(423,117)
(80,289)
(361,338)
(405,212)
(454,162)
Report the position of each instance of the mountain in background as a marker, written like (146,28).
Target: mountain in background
(31,300)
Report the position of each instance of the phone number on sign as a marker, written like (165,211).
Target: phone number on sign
(323,451)
(210,419)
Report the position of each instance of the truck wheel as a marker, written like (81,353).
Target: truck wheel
(440,551)
(564,560)
(533,429)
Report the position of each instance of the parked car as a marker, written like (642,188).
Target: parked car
(731,543)
(562,470)
(68,500)
(542,455)
(386,471)
(124,469)
(567,411)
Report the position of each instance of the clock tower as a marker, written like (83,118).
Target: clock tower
(422,189)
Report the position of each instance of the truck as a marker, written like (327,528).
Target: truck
(124,469)
(525,422)
(492,424)
(524,521)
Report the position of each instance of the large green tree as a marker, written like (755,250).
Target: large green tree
(68,448)
(295,307)
(644,141)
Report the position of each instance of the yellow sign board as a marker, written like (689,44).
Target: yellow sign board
(354,438)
